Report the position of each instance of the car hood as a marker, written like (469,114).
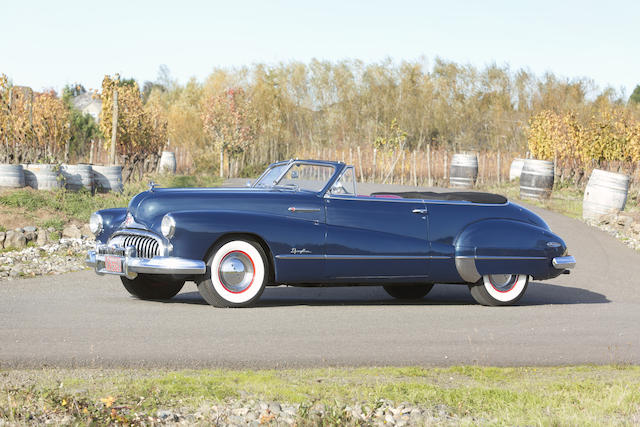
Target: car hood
(149,207)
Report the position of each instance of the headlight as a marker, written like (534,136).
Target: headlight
(168,226)
(95,223)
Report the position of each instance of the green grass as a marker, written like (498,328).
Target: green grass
(584,395)
(564,199)
(79,205)
(57,223)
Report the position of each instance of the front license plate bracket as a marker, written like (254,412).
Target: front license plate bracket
(113,263)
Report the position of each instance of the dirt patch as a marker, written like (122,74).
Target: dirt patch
(11,218)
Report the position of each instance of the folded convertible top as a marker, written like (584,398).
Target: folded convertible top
(468,196)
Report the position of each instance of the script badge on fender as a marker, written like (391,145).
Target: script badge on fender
(113,264)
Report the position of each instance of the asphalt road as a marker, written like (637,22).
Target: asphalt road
(80,319)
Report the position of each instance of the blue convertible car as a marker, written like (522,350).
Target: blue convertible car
(303,223)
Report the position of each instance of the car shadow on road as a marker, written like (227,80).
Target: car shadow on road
(537,294)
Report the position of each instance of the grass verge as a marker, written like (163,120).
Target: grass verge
(566,200)
(58,207)
(582,395)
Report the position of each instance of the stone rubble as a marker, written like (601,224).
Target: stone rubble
(55,257)
(623,226)
(20,238)
(257,413)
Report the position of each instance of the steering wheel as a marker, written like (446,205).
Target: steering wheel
(338,188)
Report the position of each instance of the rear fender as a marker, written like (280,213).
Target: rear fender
(502,246)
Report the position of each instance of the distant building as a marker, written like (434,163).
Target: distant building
(88,104)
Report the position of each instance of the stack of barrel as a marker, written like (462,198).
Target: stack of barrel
(71,177)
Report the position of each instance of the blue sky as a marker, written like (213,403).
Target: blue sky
(47,43)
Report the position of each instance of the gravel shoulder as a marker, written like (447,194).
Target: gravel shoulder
(328,396)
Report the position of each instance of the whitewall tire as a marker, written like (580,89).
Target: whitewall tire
(237,272)
(499,289)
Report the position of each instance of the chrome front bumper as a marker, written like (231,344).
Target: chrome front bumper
(564,262)
(131,265)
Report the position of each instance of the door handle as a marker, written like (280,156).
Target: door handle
(295,209)
(420,211)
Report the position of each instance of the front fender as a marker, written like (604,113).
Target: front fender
(502,246)
(111,221)
(197,231)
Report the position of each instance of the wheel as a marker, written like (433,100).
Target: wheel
(408,291)
(237,272)
(499,289)
(152,287)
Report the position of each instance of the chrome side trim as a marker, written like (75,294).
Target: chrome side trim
(299,257)
(564,262)
(373,257)
(361,257)
(499,257)
(466,266)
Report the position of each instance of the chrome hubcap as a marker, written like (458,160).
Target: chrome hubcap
(236,271)
(503,282)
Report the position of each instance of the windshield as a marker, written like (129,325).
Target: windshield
(298,176)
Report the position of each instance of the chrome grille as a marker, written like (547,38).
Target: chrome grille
(146,247)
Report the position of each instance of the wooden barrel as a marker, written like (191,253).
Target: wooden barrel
(43,176)
(516,169)
(464,171)
(168,162)
(11,176)
(536,179)
(107,178)
(606,192)
(78,176)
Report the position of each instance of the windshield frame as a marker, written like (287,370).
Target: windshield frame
(338,168)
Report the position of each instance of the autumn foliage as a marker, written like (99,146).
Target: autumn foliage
(142,129)
(34,127)
(230,121)
(609,135)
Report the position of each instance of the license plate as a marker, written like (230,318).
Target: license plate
(113,264)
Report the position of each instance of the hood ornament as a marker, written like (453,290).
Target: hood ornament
(152,186)
(128,220)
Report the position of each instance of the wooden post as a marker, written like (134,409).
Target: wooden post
(360,164)
(374,164)
(444,173)
(93,146)
(402,170)
(413,166)
(114,128)
(429,165)
(221,162)
(393,166)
